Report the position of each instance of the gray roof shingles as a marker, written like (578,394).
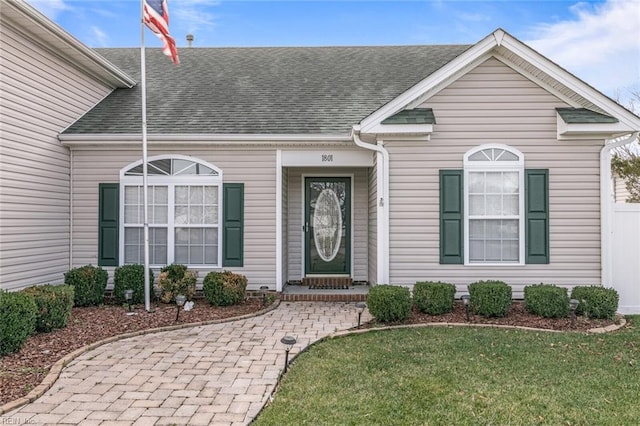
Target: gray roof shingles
(279,90)
(584,116)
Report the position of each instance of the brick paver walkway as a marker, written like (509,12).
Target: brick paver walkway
(219,374)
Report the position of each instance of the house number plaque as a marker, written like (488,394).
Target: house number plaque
(327,158)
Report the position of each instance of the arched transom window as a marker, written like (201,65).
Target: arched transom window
(184,210)
(494,205)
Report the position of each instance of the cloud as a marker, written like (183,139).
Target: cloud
(600,44)
(50,8)
(101,38)
(193,16)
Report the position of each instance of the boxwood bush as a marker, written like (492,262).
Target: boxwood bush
(18,313)
(54,303)
(224,288)
(89,283)
(490,298)
(596,301)
(434,298)
(388,303)
(130,277)
(546,300)
(176,279)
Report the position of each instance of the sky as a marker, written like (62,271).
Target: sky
(596,40)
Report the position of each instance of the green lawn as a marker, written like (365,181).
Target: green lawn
(463,376)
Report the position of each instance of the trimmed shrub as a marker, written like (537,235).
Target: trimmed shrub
(490,298)
(89,283)
(54,303)
(596,301)
(175,279)
(224,288)
(546,300)
(389,303)
(434,298)
(18,314)
(130,277)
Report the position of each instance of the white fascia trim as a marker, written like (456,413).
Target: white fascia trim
(402,129)
(444,74)
(205,139)
(573,83)
(567,131)
(65,44)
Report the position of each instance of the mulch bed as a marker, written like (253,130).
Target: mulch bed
(22,371)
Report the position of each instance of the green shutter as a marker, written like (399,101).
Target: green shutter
(108,226)
(233,224)
(451,217)
(536,190)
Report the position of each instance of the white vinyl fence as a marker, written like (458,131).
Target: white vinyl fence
(626,256)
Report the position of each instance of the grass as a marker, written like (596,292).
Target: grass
(463,376)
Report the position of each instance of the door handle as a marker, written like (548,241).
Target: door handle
(306,227)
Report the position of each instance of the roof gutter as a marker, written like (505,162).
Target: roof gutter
(382,179)
(606,208)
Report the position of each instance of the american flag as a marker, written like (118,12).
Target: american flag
(156,18)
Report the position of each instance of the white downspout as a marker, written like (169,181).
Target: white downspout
(383,205)
(606,216)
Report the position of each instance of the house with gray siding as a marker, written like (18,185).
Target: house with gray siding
(390,164)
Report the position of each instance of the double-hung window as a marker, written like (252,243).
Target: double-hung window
(184,199)
(494,205)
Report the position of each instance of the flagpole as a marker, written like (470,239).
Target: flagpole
(143,89)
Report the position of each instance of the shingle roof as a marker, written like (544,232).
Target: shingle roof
(280,90)
(412,116)
(584,116)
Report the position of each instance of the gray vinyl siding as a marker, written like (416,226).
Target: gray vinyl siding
(360,224)
(494,104)
(255,168)
(40,95)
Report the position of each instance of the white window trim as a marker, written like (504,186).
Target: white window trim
(171,182)
(493,166)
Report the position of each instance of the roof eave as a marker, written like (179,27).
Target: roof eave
(64,45)
(77,140)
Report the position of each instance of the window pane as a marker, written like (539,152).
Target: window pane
(211,235)
(196,195)
(476,229)
(493,251)
(182,195)
(211,215)
(510,250)
(479,156)
(510,206)
(196,236)
(510,228)
(510,183)
(131,195)
(476,251)
(160,195)
(182,236)
(476,183)
(211,255)
(507,156)
(211,195)
(494,182)
(182,215)
(157,246)
(196,216)
(494,205)
(159,215)
(196,255)
(476,205)
(131,214)
(182,254)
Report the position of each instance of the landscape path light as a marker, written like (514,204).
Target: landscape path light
(466,298)
(180,299)
(128,296)
(573,305)
(263,291)
(157,292)
(288,342)
(361,307)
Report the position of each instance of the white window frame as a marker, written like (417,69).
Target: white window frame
(171,182)
(495,166)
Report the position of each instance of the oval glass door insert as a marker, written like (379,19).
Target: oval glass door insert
(327,225)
